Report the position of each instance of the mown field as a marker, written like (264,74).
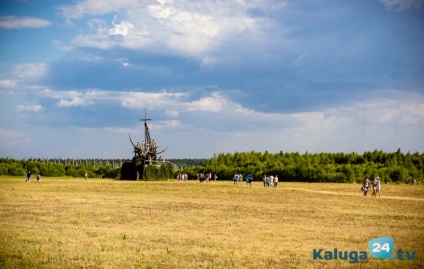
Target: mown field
(77,223)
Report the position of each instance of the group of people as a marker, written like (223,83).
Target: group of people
(375,185)
(238,178)
(412,181)
(270,181)
(182,176)
(29,175)
(202,177)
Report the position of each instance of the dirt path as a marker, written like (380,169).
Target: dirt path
(354,194)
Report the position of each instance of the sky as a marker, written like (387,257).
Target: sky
(215,76)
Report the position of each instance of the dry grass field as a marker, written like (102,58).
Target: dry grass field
(77,223)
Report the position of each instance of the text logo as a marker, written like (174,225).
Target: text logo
(351,256)
(379,248)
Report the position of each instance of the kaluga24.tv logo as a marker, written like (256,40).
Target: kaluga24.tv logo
(379,248)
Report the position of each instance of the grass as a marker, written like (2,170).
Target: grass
(77,223)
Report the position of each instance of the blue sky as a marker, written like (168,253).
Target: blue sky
(215,76)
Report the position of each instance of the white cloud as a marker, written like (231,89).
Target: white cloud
(213,103)
(29,71)
(194,29)
(402,4)
(386,124)
(215,123)
(7,83)
(35,108)
(166,124)
(12,22)
(68,98)
(142,100)
(95,7)
(170,102)
(120,29)
(389,122)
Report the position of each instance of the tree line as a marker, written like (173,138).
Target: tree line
(289,166)
(95,168)
(61,167)
(317,167)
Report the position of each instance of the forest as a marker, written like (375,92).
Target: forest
(317,167)
(61,167)
(95,168)
(289,166)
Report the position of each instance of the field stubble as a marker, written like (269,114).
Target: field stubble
(76,223)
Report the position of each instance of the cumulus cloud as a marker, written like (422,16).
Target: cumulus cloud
(192,29)
(376,124)
(12,22)
(213,103)
(120,28)
(388,122)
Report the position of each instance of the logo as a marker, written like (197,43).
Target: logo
(379,248)
(382,248)
(352,256)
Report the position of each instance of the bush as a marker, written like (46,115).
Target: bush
(15,169)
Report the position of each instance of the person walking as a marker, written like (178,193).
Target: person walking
(373,185)
(249,179)
(28,176)
(365,186)
(377,187)
(236,179)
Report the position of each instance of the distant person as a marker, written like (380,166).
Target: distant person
(249,179)
(373,185)
(85,175)
(275,181)
(38,177)
(377,187)
(365,186)
(137,175)
(265,179)
(236,179)
(28,176)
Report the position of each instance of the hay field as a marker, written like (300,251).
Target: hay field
(77,223)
